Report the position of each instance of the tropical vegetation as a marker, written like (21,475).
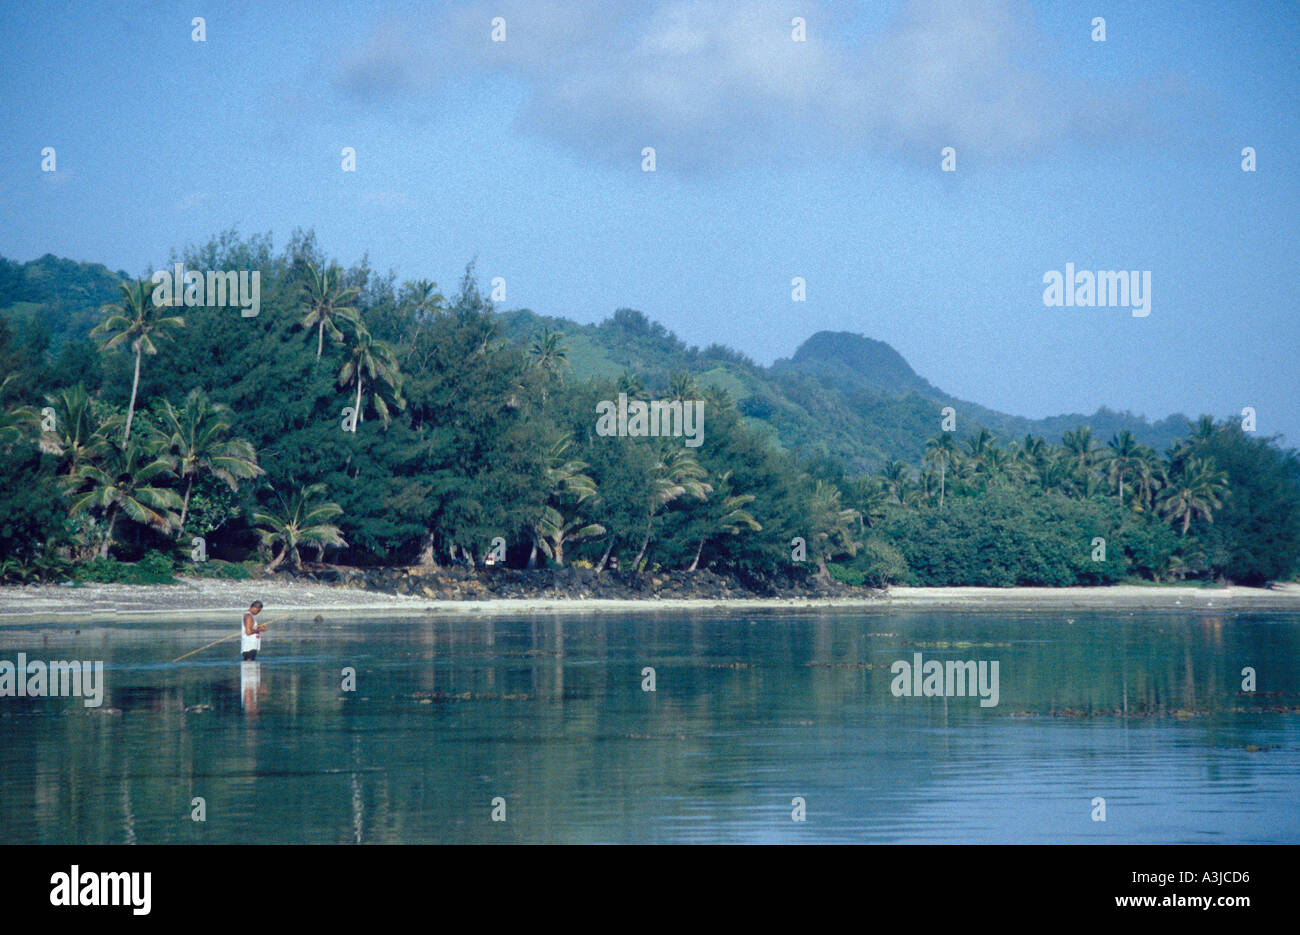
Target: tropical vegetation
(358,421)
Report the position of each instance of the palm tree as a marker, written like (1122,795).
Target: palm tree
(550,358)
(570,491)
(549,355)
(371,359)
(1000,465)
(1203,431)
(135,319)
(1149,476)
(630,384)
(196,438)
(15,423)
(673,476)
(977,455)
(682,387)
(1194,491)
(870,498)
(298,521)
(553,530)
(1035,449)
(1055,473)
(718,399)
(1194,444)
(75,438)
(1079,450)
(1122,458)
(941,451)
(124,481)
(732,516)
(830,525)
(423,297)
(923,492)
(424,300)
(326,304)
(1034,456)
(897,479)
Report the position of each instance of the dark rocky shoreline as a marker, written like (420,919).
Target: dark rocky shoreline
(459,583)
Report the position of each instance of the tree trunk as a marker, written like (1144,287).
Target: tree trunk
(277,559)
(108,536)
(605,558)
(185,507)
(695,564)
(532,555)
(130,410)
(823,572)
(645,543)
(356,413)
(941,473)
(428,557)
(320,338)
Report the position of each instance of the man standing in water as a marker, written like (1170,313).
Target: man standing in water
(249,641)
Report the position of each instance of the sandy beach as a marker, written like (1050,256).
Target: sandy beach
(208,599)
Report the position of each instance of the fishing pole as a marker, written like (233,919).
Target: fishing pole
(231,637)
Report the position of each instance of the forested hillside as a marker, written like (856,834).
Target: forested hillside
(366,421)
(839,394)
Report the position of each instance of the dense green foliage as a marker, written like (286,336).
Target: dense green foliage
(366,422)
(154,568)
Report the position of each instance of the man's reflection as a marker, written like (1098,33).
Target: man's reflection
(250,685)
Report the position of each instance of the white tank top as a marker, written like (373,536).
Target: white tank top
(248,643)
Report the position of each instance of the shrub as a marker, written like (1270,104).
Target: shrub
(1003,539)
(881,564)
(1255,537)
(154,568)
(216,568)
(845,575)
(1149,546)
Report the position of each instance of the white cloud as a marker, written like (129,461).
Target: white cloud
(712,82)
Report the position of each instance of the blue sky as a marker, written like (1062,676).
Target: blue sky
(775,159)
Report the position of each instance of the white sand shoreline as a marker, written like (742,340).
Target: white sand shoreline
(210,599)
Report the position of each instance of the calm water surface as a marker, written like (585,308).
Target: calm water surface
(750,712)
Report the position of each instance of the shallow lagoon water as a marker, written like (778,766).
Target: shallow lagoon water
(548,713)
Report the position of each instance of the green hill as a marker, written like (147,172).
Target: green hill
(841,395)
(63,296)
